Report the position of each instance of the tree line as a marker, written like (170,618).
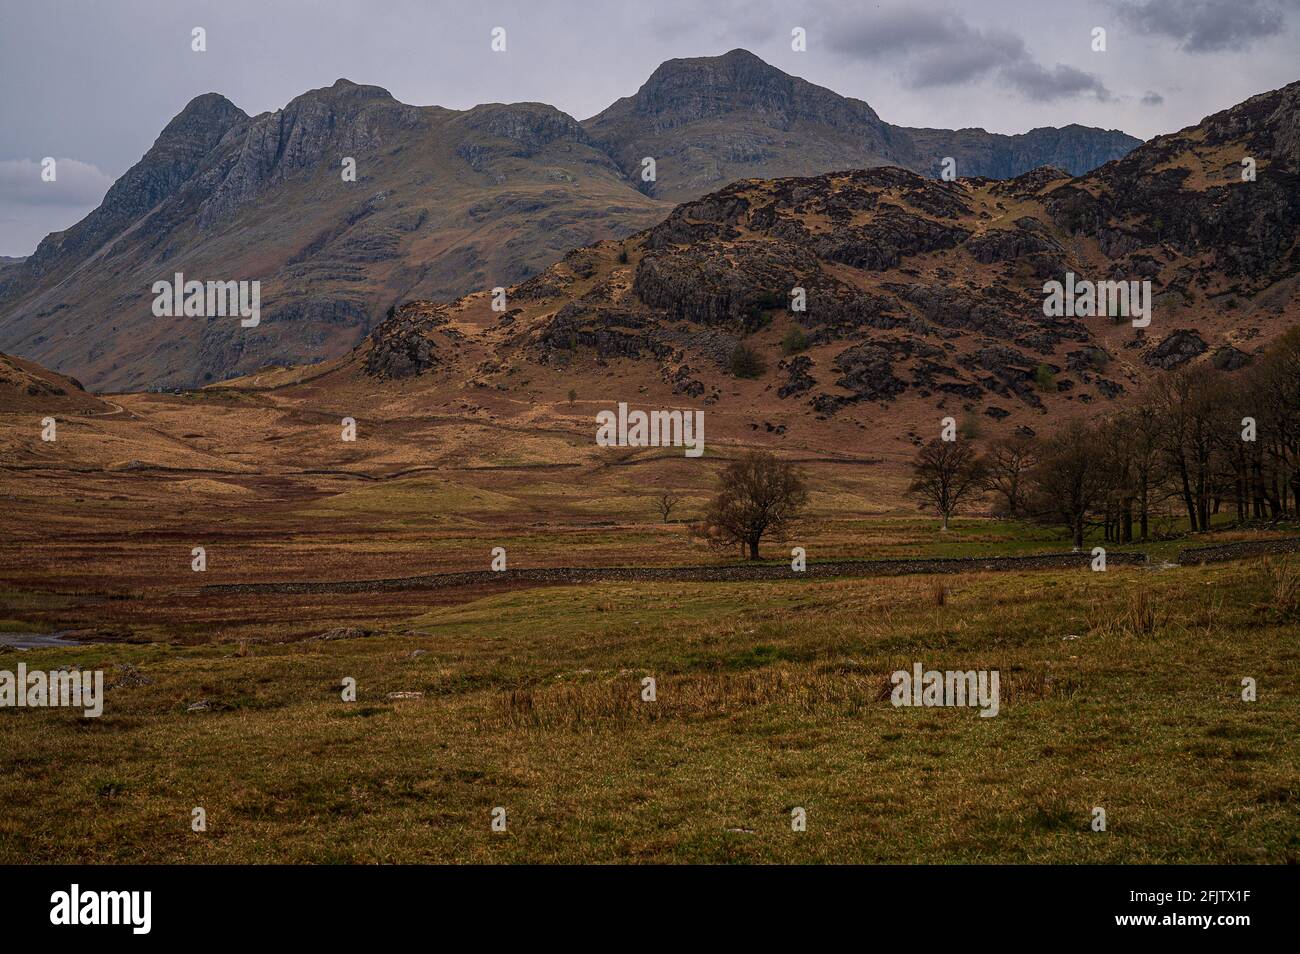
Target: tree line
(1194,442)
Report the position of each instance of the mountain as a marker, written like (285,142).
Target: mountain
(923,298)
(444,202)
(708,121)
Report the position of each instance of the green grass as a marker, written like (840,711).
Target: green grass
(770,696)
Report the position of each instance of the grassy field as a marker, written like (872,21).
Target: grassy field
(1119,690)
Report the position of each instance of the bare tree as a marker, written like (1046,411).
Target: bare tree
(1115,443)
(1146,429)
(1188,400)
(1072,479)
(758,496)
(945,474)
(1276,451)
(666,501)
(1008,463)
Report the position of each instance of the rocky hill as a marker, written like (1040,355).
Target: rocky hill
(921,295)
(444,203)
(27,387)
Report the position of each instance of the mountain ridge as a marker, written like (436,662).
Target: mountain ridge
(445,202)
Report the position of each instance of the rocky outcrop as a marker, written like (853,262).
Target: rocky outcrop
(404,346)
(798,376)
(1029,240)
(1228,358)
(1175,350)
(868,371)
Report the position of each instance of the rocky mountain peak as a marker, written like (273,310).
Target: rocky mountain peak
(344,95)
(687,90)
(203,115)
(316,128)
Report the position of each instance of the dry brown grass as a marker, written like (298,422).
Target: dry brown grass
(1284,585)
(1140,614)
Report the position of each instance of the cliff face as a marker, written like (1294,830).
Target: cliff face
(444,203)
(1076,149)
(1184,192)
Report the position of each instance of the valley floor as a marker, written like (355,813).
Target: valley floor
(1120,690)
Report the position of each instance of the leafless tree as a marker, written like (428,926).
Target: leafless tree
(758,496)
(1072,479)
(666,501)
(1275,454)
(1188,399)
(1007,464)
(945,474)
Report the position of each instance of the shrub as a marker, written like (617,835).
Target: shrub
(969,427)
(794,341)
(745,362)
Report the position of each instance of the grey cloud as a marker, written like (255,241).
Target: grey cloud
(1039,83)
(1202,26)
(975,56)
(942,49)
(896,32)
(77,184)
(31,208)
(1152,98)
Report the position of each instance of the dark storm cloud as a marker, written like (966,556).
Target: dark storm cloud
(969,56)
(940,48)
(1203,26)
(897,32)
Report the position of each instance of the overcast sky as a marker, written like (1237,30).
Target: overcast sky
(94,81)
